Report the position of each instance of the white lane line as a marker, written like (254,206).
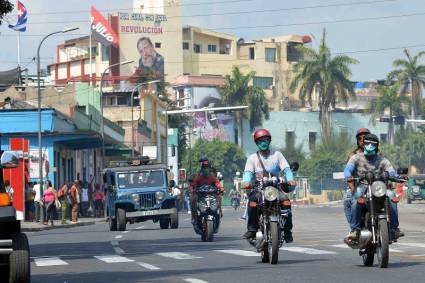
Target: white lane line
(415,245)
(306,251)
(141,227)
(113,258)
(119,251)
(418,255)
(194,280)
(125,232)
(347,247)
(238,252)
(148,266)
(49,261)
(114,243)
(177,255)
(118,237)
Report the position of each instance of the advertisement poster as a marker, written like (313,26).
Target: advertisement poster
(34,163)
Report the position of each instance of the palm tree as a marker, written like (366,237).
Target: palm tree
(389,100)
(328,75)
(410,75)
(238,91)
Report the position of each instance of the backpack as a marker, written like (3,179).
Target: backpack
(60,193)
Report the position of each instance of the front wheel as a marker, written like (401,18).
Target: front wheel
(164,222)
(274,243)
(382,251)
(209,233)
(121,219)
(19,260)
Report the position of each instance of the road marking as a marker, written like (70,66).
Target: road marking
(238,252)
(113,259)
(148,266)
(114,243)
(125,232)
(418,255)
(347,247)
(306,251)
(119,251)
(415,245)
(141,227)
(49,261)
(118,237)
(194,280)
(177,255)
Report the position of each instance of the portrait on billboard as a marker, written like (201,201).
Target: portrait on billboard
(151,63)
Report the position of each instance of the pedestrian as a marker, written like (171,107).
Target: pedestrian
(65,200)
(84,200)
(98,197)
(29,202)
(49,198)
(187,200)
(38,202)
(75,198)
(9,190)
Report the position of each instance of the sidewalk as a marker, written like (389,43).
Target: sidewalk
(38,226)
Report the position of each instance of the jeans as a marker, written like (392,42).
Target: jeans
(353,210)
(50,211)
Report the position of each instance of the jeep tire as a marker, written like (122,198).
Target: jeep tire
(19,260)
(164,222)
(121,219)
(174,220)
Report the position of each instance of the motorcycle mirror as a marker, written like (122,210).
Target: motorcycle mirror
(402,171)
(294,166)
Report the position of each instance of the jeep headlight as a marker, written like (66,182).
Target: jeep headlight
(159,196)
(379,189)
(135,198)
(416,189)
(271,193)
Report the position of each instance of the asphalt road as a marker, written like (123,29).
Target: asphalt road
(146,253)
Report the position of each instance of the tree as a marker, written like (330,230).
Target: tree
(410,74)
(226,157)
(390,99)
(5,8)
(328,75)
(238,91)
(293,152)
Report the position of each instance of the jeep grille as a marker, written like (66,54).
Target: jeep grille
(147,200)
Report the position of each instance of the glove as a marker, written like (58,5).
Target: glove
(292,183)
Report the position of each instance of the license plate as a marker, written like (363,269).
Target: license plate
(148,213)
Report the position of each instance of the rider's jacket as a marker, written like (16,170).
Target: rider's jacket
(201,180)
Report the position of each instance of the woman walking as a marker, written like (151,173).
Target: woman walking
(49,197)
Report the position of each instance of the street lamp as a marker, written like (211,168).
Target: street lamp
(101,104)
(132,104)
(40,150)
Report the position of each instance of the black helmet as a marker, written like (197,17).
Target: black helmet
(205,162)
(371,138)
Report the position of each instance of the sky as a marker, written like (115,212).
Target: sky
(374,32)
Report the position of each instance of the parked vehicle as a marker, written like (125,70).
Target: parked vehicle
(14,247)
(416,188)
(375,235)
(208,221)
(139,193)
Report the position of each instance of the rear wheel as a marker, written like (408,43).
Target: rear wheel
(382,251)
(274,243)
(174,221)
(164,222)
(265,256)
(19,260)
(121,219)
(409,200)
(368,257)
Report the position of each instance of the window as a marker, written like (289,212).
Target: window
(212,48)
(181,101)
(251,53)
(197,48)
(312,140)
(185,45)
(105,53)
(270,55)
(293,53)
(122,100)
(157,44)
(383,138)
(263,82)
(290,138)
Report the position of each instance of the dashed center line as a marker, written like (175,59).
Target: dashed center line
(118,237)
(119,251)
(306,250)
(113,259)
(139,228)
(178,255)
(194,280)
(148,266)
(238,252)
(125,232)
(49,261)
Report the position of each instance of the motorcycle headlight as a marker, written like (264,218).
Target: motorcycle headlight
(416,189)
(271,193)
(202,206)
(213,204)
(379,189)
(159,196)
(135,198)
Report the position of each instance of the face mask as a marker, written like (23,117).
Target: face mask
(369,149)
(263,145)
(205,171)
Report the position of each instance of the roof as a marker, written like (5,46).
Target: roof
(287,38)
(192,80)
(212,33)
(135,168)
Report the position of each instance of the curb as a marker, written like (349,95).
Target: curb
(37,229)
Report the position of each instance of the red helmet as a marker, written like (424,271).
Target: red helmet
(362,131)
(261,133)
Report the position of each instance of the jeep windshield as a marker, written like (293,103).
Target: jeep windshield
(141,179)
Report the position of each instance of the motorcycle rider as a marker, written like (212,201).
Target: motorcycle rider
(234,194)
(358,165)
(274,162)
(204,177)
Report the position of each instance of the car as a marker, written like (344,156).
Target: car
(136,193)
(416,188)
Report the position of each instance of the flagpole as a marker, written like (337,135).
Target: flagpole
(19,57)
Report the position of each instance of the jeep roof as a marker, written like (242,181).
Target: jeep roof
(135,168)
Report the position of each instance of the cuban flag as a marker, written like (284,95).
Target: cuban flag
(21,24)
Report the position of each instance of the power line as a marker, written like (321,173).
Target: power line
(246,12)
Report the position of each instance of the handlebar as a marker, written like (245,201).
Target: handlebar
(371,177)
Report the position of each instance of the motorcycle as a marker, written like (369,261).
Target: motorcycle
(375,235)
(235,202)
(208,221)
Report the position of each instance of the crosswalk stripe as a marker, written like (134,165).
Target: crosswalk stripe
(49,261)
(415,245)
(119,251)
(238,252)
(309,251)
(118,237)
(114,243)
(194,280)
(148,266)
(178,255)
(113,259)
(347,247)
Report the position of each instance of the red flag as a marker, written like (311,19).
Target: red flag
(100,29)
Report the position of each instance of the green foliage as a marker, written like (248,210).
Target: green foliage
(293,152)
(5,8)
(226,157)
(328,157)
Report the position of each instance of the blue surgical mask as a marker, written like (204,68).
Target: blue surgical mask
(263,145)
(369,149)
